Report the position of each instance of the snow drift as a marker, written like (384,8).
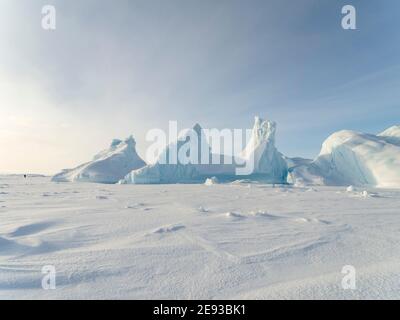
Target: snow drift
(269,164)
(353,158)
(108,166)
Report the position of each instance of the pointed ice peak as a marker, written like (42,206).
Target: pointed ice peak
(264,130)
(130,141)
(197,128)
(263,134)
(262,153)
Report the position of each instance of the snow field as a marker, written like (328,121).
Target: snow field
(238,240)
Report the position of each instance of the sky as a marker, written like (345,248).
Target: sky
(116,68)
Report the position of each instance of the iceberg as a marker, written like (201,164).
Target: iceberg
(391,135)
(269,164)
(211,181)
(168,169)
(108,166)
(353,158)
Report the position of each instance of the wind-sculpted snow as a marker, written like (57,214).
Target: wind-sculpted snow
(260,155)
(108,166)
(352,158)
(231,240)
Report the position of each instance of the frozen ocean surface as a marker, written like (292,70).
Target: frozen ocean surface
(227,240)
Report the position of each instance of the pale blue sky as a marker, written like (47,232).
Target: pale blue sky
(115,68)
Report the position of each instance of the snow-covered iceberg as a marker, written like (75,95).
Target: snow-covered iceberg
(268,163)
(167,168)
(353,158)
(108,166)
(392,135)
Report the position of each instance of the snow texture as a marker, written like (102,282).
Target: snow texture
(227,241)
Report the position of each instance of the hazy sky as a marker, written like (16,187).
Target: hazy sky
(115,68)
